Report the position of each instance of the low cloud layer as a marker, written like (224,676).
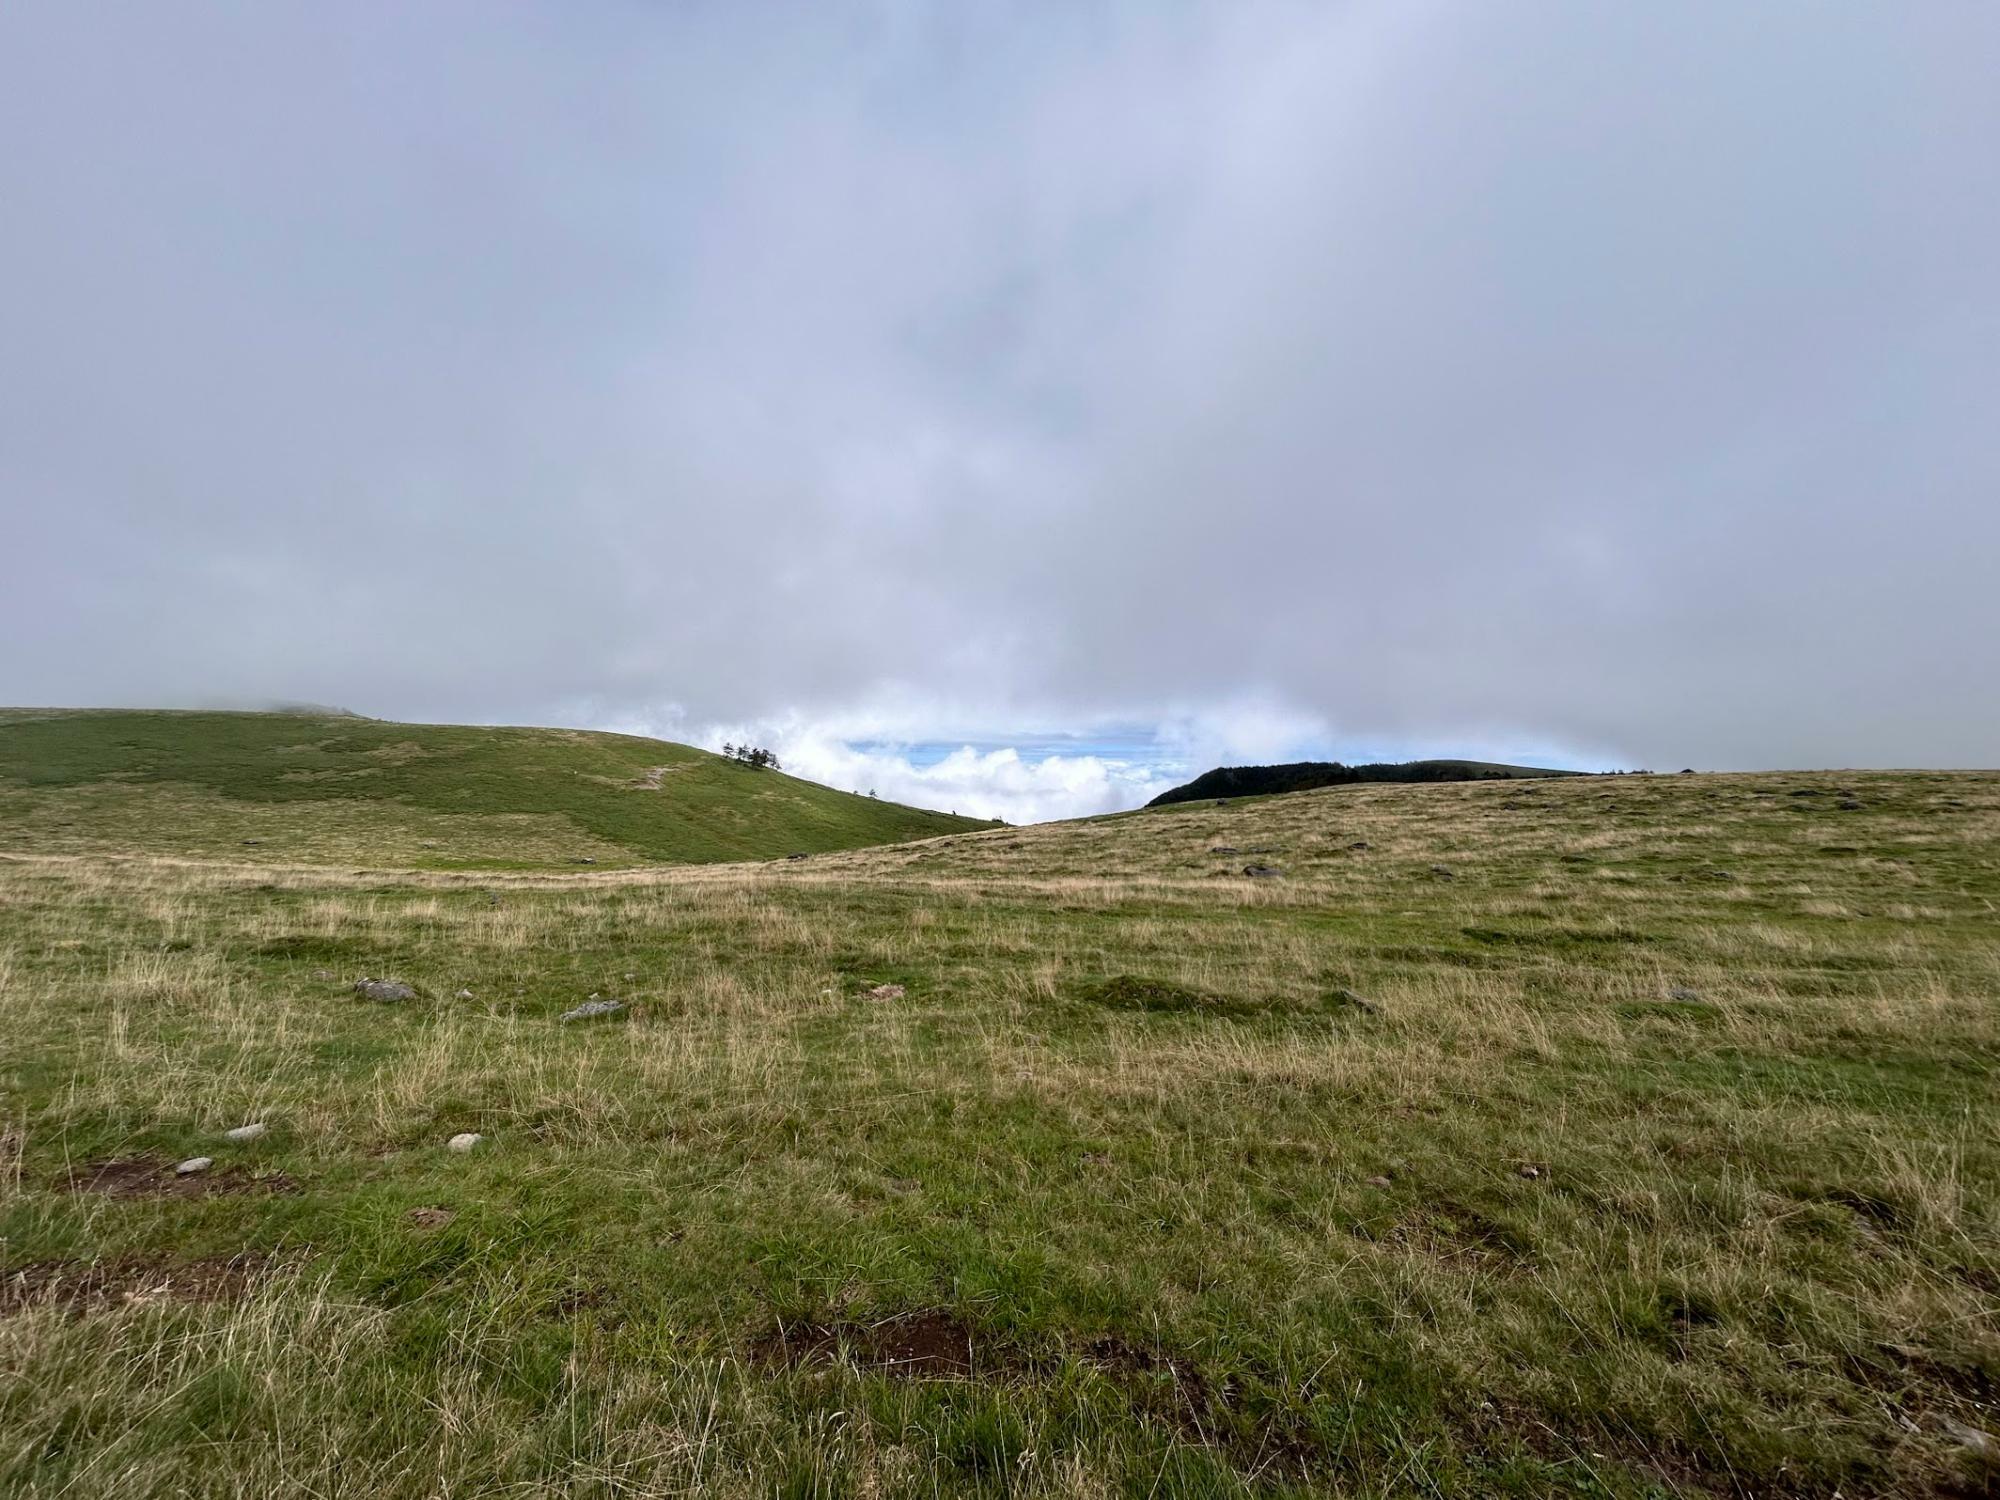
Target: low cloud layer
(1611,383)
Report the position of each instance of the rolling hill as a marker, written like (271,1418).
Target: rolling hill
(1309,775)
(334,788)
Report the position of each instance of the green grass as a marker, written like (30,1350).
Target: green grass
(340,789)
(1634,1181)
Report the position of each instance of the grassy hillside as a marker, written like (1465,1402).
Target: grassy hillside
(1612,1137)
(327,788)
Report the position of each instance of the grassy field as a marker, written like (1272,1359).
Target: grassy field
(1606,1137)
(340,789)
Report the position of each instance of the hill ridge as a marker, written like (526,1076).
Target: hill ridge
(346,788)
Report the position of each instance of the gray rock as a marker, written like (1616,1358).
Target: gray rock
(1685,995)
(464,1141)
(1442,872)
(1225,849)
(246,1132)
(384,990)
(193,1165)
(1262,872)
(1976,1442)
(593,1007)
(886,992)
(1352,1001)
(1358,845)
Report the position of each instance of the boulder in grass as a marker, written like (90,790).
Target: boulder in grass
(248,1132)
(384,990)
(464,1141)
(886,992)
(194,1165)
(591,1009)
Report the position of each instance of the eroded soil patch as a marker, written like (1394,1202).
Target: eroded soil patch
(149,1177)
(931,1344)
(128,1281)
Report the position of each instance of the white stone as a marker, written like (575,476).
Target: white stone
(193,1165)
(464,1141)
(245,1132)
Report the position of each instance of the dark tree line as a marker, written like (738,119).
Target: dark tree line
(1301,776)
(752,755)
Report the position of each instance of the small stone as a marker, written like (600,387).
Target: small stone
(583,859)
(1378,1182)
(1225,849)
(193,1165)
(464,1141)
(1442,872)
(1528,1170)
(886,992)
(1353,1001)
(594,1006)
(384,990)
(794,856)
(1262,872)
(1684,995)
(465,994)
(245,1132)
(1358,845)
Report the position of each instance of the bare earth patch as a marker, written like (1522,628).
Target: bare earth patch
(149,1177)
(929,1345)
(80,1287)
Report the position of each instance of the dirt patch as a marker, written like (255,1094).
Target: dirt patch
(928,1345)
(149,1177)
(79,1287)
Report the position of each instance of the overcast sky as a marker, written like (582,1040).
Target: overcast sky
(1007,406)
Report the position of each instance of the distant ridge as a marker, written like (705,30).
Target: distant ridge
(1306,775)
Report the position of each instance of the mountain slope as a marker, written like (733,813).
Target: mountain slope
(1308,775)
(327,788)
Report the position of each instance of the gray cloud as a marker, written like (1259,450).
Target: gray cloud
(1613,380)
